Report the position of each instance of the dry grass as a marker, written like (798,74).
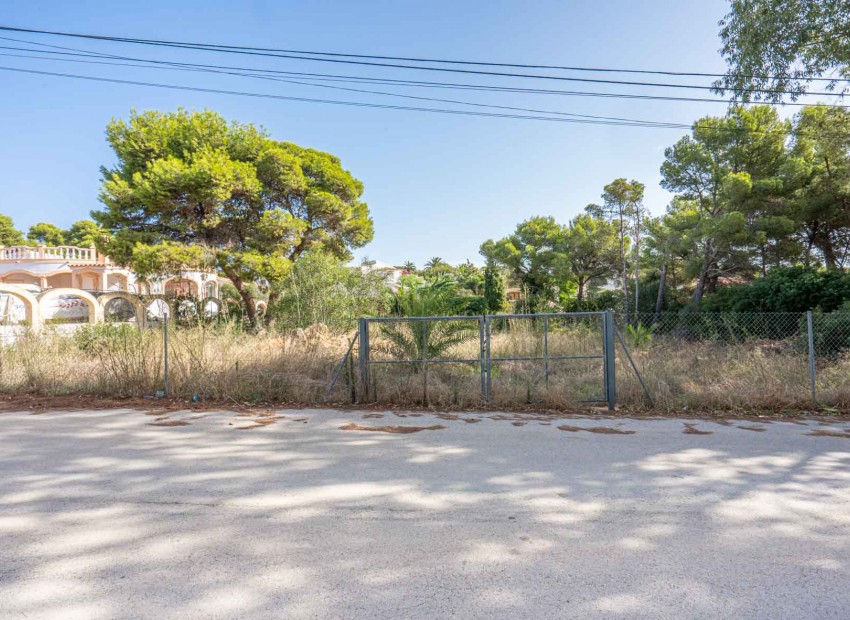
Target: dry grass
(224,365)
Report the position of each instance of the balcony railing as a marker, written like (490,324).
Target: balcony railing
(18,253)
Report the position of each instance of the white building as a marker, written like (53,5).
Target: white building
(74,284)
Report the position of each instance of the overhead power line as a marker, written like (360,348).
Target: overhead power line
(416,59)
(559,119)
(326,77)
(335,102)
(364,91)
(254,52)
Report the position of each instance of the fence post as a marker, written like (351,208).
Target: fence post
(546,352)
(482,356)
(363,358)
(609,362)
(165,355)
(425,362)
(811,333)
(488,363)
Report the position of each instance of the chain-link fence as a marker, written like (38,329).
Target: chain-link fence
(685,360)
(509,360)
(156,347)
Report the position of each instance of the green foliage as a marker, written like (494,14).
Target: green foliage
(411,340)
(532,256)
(494,300)
(622,205)
(167,258)
(437,297)
(45,233)
(779,45)
(818,175)
(831,332)
(592,252)
(104,338)
(86,233)
(791,289)
(9,235)
(639,335)
(251,204)
(594,302)
(722,213)
(322,289)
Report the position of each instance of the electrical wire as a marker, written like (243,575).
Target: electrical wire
(250,51)
(415,59)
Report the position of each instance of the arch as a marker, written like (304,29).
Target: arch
(20,276)
(143,287)
(210,288)
(138,307)
(206,306)
(180,287)
(157,308)
(186,309)
(30,301)
(117,281)
(95,309)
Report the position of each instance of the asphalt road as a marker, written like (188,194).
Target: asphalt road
(119,514)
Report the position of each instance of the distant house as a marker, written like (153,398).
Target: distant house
(513,293)
(393,274)
(75,284)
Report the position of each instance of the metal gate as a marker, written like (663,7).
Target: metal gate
(535,347)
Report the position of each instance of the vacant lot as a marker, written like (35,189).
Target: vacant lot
(328,514)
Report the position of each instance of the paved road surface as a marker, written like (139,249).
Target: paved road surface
(109,514)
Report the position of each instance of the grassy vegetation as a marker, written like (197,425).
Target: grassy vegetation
(223,364)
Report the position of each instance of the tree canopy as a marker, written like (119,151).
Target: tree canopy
(227,196)
(47,234)
(9,235)
(774,47)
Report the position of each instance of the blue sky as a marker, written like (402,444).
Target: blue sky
(437,185)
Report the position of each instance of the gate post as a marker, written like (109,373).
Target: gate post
(610,368)
(811,342)
(487,359)
(482,356)
(363,358)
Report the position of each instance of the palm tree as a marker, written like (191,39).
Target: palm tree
(434,262)
(409,266)
(415,340)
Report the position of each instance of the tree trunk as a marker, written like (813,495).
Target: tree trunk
(268,319)
(659,301)
(625,267)
(824,244)
(247,297)
(637,263)
(580,292)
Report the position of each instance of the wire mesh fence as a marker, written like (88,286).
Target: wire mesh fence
(554,359)
(686,360)
(729,360)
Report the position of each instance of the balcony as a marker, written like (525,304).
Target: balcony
(59,253)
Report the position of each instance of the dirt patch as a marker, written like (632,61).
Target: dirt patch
(471,420)
(370,416)
(758,429)
(399,430)
(168,423)
(691,429)
(824,433)
(602,430)
(519,423)
(260,422)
